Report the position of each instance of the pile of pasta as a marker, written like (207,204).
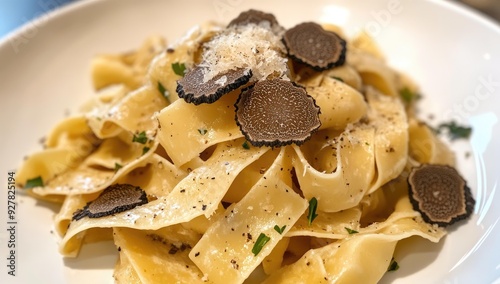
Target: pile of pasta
(211,195)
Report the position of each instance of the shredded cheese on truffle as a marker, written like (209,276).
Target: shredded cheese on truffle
(251,46)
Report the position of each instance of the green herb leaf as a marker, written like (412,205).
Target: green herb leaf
(163,91)
(140,138)
(179,68)
(350,231)
(117,167)
(246,145)
(408,96)
(337,78)
(145,150)
(34,182)
(260,243)
(279,230)
(455,131)
(313,205)
(202,131)
(393,266)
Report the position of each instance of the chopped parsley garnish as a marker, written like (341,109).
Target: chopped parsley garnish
(408,96)
(260,243)
(140,138)
(179,68)
(118,166)
(202,131)
(246,145)
(393,266)
(145,150)
(338,78)
(163,91)
(350,231)
(279,230)
(313,204)
(34,182)
(455,131)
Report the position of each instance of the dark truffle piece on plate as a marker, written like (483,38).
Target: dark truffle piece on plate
(193,90)
(254,17)
(114,199)
(310,44)
(275,113)
(440,194)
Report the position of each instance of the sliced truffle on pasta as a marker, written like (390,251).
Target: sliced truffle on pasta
(194,89)
(114,199)
(310,44)
(254,17)
(276,113)
(440,194)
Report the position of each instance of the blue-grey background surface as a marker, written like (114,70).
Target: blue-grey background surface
(15,13)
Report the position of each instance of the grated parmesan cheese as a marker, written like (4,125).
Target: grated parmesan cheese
(221,81)
(251,46)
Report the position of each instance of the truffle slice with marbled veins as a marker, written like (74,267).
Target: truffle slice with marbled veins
(194,89)
(310,44)
(114,199)
(440,194)
(275,113)
(254,17)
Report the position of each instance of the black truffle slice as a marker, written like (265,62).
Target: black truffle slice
(114,199)
(440,194)
(192,89)
(310,44)
(254,17)
(276,113)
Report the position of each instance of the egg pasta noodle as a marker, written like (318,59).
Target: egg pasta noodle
(211,193)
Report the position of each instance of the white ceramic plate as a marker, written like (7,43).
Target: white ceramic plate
(452,52)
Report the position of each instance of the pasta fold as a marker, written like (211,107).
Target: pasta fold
(226,252)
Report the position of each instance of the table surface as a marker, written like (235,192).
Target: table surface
(15,13)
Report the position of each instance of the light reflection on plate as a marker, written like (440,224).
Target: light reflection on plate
(451,52)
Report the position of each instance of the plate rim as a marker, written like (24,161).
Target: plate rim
(74,6)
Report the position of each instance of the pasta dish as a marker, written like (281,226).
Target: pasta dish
(248,150)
